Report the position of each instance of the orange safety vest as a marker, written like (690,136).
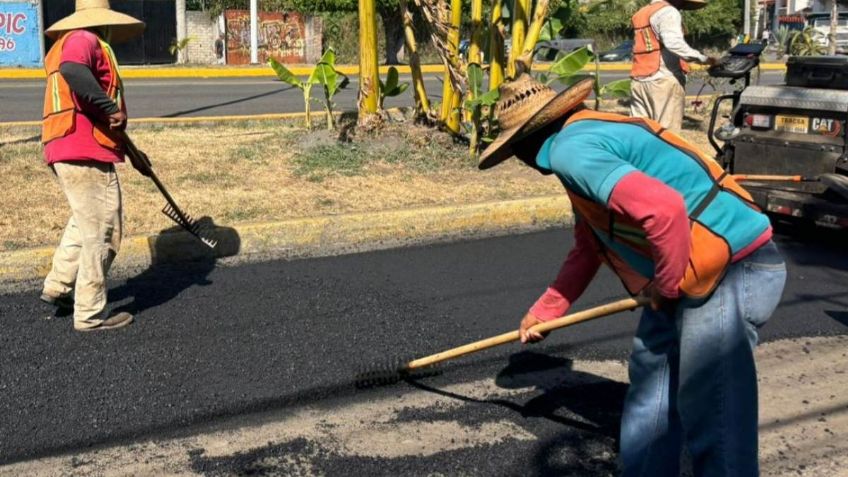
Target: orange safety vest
(646,45)
(60,108)
(710,253)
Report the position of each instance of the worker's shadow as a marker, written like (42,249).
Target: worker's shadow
(178,261)
(572,398)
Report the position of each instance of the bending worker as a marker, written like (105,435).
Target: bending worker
(83,106)
(674,227)
(660,55)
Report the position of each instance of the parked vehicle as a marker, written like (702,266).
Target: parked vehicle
(622,52)
(821,23)
(551,50)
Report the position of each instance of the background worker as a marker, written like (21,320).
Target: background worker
(673,226)
(83,106)
(660,56)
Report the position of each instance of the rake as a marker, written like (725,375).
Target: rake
(419,368)
(141,162)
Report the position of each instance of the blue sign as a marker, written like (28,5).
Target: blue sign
(20,34)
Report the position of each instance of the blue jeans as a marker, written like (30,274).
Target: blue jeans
(693,378)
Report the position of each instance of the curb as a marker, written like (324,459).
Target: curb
(319,236)
(254,72)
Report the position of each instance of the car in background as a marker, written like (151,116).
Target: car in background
(821,24)
(622,52)
(552,50)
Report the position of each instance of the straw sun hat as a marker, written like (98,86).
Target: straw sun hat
(96,13)
(525,106)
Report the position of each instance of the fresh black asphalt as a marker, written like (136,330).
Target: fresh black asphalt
(214,342)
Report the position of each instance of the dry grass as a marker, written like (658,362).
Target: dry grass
(264,171)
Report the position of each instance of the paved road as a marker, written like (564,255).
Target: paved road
(216,342)
(22,100)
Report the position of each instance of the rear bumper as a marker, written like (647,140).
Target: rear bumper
(807,207)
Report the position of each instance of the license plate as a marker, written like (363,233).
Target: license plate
(793,124)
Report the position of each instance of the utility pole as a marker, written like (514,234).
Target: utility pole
(746,29)
(254,32)
(182,29)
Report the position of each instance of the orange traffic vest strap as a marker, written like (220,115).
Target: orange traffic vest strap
(621,239)
(647,48)
(60,108)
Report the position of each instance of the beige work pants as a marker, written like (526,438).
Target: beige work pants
(661,100)
(91,239)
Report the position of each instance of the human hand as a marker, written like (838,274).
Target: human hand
(658,301)
(527,335)
(712,60)
(118,121)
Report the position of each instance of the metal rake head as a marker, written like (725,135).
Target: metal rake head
(201,230)
(392,371)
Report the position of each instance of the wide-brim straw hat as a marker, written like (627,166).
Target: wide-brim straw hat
(693,4)
(525,106)
(96,13)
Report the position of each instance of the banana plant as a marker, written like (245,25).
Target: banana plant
(479,98)
(324,74)
(570,69)
(391,87)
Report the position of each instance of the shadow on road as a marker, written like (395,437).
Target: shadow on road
(179,262)
(226,103)
(21,141)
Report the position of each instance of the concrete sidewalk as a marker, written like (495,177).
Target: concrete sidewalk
(155,72)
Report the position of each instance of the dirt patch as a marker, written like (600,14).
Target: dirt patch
(258,171)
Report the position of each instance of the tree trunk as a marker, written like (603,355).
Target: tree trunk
(182,30)
(451,99)
(834,21)
(369,82)
(393,28)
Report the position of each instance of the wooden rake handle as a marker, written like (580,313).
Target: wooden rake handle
(568,320)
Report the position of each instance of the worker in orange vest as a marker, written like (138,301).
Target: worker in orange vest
(83,106)
(660,55)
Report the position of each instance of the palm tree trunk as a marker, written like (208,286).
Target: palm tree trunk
(422,103)
(369,82)
(451,99)
(520,13)
(496,46)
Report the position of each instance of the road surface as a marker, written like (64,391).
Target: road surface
(211,344)
(174,98)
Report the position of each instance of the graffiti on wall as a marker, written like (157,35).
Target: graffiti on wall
(281,36)
(19,34)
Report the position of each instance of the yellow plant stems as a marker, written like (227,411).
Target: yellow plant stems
(520,14)
(496,46)
(369,81)
(422,103)
(476,46)
(526,56)
(451,98)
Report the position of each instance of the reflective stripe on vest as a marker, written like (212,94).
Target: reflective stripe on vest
(60,108)
(623,242)
(647,48)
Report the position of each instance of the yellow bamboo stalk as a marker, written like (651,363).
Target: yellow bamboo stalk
(520,14)
(369,81)
(476,32)
(496,46)
(451,99)
(422,103)
(539,17)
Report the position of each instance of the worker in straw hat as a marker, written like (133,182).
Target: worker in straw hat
(83,107)
(660,61)
(674,227)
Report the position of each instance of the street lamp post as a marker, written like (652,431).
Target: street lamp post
(254,32)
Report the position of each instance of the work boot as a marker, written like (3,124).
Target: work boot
(65,302)
(118,320)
